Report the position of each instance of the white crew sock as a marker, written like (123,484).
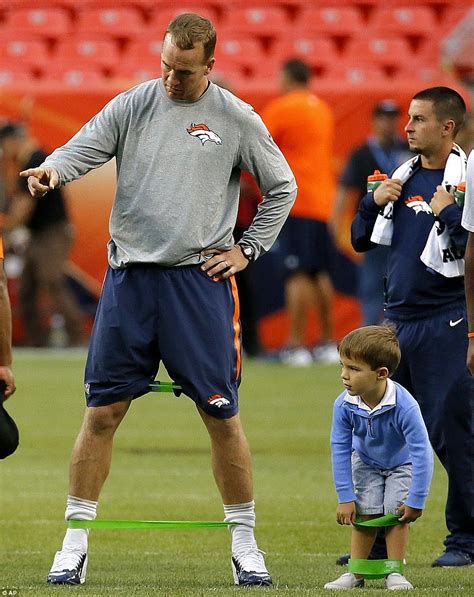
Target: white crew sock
(76,539)
(242,535)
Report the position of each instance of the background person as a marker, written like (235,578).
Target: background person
(6,373)
(384,150)
(381,455)
(302,126)
(427,305)
(47,251)
(169,294)
(468,223)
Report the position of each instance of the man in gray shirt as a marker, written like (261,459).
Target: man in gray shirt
(180,143)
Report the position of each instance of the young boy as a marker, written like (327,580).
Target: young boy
(381,454)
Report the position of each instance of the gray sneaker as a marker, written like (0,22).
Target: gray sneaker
(397,582)
(346,581)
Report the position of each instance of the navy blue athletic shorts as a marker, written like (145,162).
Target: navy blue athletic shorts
(305,246)
(178,315)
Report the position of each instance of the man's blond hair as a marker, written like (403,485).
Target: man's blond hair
(189,29)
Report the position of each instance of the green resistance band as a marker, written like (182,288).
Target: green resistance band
(165,386)
(375,568)
(389,520)
(146,524)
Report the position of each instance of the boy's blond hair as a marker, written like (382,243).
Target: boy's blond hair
(188,29)
(376,345)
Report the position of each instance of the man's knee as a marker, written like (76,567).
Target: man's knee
(100,420)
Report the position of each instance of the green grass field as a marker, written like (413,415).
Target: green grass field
(161,470)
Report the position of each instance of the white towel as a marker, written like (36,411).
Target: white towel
(437,246)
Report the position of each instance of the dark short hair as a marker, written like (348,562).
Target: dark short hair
(12,129)
(376,345)
(188,29)
(447,104)
(297,70)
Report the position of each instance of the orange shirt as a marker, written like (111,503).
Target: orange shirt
(302,126)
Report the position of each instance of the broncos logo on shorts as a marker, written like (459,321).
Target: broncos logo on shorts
(204,133)
(218,400)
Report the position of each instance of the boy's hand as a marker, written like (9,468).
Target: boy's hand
(346,513)
(408,514)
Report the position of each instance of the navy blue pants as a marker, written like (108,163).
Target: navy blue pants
(433,368)
(148,314)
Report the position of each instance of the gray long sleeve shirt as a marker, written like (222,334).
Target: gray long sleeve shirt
(178,173)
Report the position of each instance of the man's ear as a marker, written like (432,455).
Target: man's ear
(210,65)
(382,373)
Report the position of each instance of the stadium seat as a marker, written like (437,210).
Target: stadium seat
(147,49)
(93,49)
(44,22)
(454,15)
(355,74)
(404,20)
(425,74)
(386,51)
(239,50)
(119,22)
(263,21)
(161,18)
(315,51)
(23,50)
(229,75)
(131,72)
(11,74)
(74,73)
(330,20)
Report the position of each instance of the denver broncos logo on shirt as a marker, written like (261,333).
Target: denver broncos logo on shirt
(204,133)
(418,204)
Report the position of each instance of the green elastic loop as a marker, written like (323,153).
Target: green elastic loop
(164,386)
(146,524)
(375,568)
(389,520)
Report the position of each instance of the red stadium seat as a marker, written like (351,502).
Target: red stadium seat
(261,20)
(386,51)
(23,50)
(73,73)
(406,20)
(161,18)
(45,22)
(453,16)
(333,20)
(131,72)
(239,50)
(355,74)
(425,74)
(147,49)
(315,51)
(93,49)
(11,74)
(119,22)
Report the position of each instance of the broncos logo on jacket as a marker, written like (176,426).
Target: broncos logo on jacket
(418,204)
(204,133)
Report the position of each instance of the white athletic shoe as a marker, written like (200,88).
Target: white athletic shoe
(397,582)
(250,570)
(69,568)
(296,357)
(326,353)
(346,581)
